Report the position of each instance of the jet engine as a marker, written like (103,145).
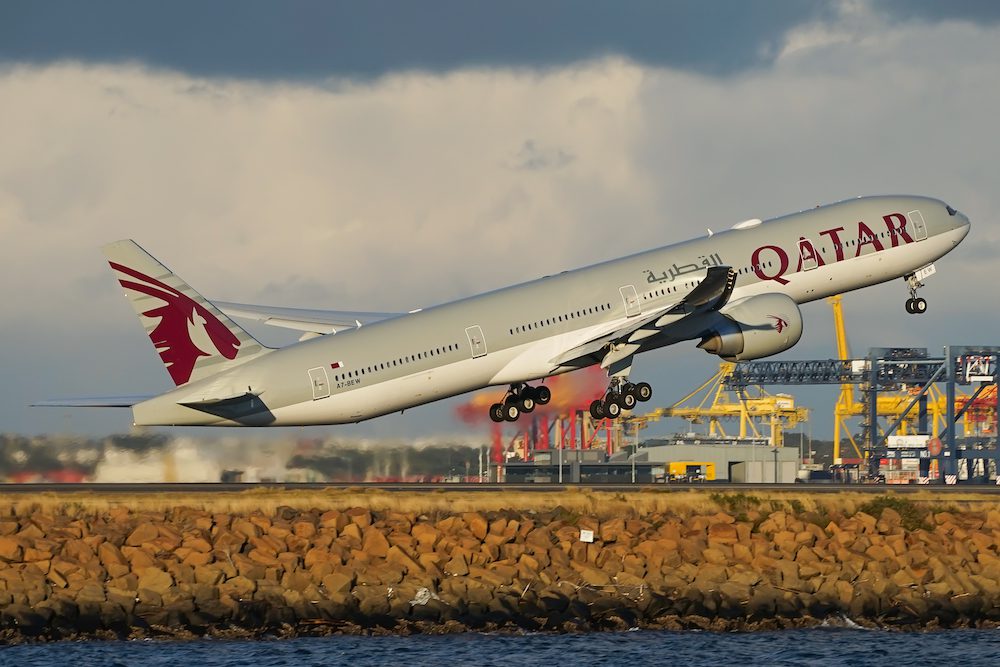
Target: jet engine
(754,327)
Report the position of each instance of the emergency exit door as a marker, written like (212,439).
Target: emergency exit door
(631,299)
(477,342)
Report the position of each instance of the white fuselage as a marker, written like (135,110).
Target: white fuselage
(515,335)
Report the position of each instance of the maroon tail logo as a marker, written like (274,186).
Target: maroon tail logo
(779,323)
(186,329)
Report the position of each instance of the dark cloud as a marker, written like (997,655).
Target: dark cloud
(976,11)
(305,39)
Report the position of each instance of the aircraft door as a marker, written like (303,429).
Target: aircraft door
(476,341)
(917,225)
(807,254)
(320,383)
(631,299)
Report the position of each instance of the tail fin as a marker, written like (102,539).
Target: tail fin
(194,339)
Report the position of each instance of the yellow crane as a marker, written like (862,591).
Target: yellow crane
(713,403)
(890,404)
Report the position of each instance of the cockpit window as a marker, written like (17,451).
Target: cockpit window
(950,210)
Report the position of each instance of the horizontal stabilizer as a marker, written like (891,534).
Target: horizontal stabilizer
(303,319)
(93,402)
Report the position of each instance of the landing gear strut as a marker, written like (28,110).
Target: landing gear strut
(520,398)
(622,395)
(915,305)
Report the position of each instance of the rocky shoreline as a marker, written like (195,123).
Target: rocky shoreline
(72,572)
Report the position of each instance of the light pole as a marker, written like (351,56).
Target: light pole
(775,452)
(635,450)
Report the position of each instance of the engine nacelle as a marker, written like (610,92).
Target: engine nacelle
(754,327)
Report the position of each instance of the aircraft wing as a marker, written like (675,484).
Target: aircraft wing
(712,293)
(301,319)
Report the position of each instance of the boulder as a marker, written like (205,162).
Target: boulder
(722,533)
(374,543)
(244,528)
(338,582)
(155,580)
(426,535)
(477,524)
(333,521)
(304,528)
(144,532)
(359,516)
(11,549)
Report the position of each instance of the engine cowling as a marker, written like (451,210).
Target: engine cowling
(754,327)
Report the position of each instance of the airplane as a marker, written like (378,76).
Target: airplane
(737,292)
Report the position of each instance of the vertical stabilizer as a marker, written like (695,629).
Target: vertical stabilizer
(193,338)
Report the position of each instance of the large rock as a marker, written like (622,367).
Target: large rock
(11,549)
(359,516)
(722,533)
(477,523)
(143,533)
(155,580)
(374,543)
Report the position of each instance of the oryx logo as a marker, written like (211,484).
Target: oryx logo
(186,330)
(779,323)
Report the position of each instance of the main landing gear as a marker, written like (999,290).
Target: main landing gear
(520,398)
(915,305)
(620,396)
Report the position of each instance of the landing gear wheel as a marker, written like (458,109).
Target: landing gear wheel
(497,412)
(511,412)
(597,409)
(628,400)
(909,306)
(527,404)
(612,409)
(919,306)
(542,395)
(643,391)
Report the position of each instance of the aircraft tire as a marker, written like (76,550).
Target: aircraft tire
(612,409)
(527,404)
(543,395)
(597,409)
(643,391)
(497,412)
(628,401)
(909,306)
(511,412)
(919,306)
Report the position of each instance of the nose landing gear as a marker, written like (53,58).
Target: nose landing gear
(915,305)
(520,398)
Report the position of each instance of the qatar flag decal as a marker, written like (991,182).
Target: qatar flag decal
(336,364)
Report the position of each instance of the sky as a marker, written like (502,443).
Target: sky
(391,155)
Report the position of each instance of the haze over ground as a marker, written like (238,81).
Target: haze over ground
(388,156)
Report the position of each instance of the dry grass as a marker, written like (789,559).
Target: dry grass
(580,501)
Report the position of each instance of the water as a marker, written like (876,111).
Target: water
(691,649)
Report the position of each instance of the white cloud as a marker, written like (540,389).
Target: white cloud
(419,188)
